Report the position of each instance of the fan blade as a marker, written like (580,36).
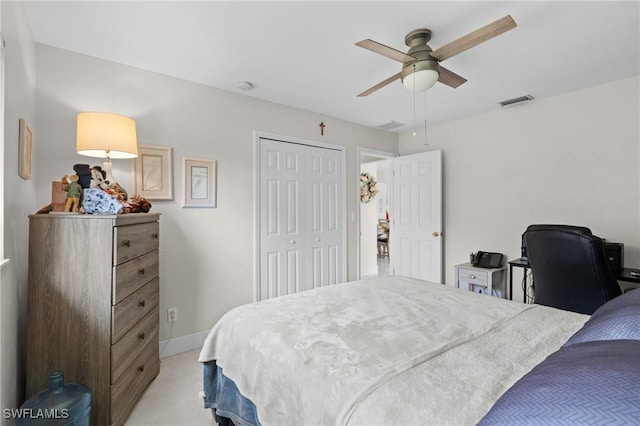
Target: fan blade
(474,38)
(383,50)
(380,85)
(450,78)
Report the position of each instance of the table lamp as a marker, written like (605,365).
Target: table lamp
(106,135)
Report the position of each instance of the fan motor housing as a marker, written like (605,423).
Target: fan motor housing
(419,36)
(420,50)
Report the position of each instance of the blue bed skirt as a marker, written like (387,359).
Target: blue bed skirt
(222,395)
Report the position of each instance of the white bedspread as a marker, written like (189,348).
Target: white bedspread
(356,353)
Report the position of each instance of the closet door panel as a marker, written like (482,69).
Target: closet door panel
(281,221)
(327,233)
(301,218)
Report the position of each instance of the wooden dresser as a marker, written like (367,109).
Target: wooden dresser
(93,307)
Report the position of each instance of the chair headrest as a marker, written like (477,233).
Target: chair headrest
(582,230)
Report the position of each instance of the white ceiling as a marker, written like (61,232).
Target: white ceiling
(302,54)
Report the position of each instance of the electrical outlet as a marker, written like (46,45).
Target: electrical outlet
(172,314)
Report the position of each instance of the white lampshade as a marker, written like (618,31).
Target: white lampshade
(421,75)
(106,135)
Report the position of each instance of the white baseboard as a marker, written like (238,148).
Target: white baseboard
(371,272)
(182,344)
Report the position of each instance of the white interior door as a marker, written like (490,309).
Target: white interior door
(301,223)
(416,219)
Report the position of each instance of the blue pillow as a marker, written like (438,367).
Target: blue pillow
(619,318)
(623,323)
(593,383)
(627,299)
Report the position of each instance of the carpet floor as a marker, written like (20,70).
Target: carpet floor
(173,398)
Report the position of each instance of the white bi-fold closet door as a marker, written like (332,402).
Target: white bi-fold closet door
(301,217)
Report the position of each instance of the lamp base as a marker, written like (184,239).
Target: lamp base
(115,187)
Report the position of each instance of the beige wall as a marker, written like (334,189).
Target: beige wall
(207,255)
(569,159)
(19,200)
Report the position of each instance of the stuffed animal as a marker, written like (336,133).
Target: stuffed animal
(115,192)
(143,204)
(84,174)
(136,204)
(74,192)
(98,178)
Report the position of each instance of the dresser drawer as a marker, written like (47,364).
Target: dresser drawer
(133,240)
(132,309)
(126,391)
(130,276)
(473,277)
(133,343)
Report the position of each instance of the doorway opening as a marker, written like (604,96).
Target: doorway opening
(374,248)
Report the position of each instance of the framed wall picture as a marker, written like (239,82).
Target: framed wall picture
(152,172)
(199,182)
(24,150)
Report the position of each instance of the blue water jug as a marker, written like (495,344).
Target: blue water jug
(59,405)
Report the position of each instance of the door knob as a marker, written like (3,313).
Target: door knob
(436,234)
(318,239)
(292,241)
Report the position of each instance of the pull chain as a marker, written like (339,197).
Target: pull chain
(425,118)
(414,99)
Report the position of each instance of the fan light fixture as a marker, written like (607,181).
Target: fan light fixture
(424,77)
(106,135)
(427,61)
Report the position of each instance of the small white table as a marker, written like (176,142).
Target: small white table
(481,280)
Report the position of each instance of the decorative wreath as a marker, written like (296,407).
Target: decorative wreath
(368,188)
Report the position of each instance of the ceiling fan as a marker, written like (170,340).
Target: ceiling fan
(421,65)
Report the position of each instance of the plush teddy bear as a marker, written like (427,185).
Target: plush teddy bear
(136,204)
(143,204)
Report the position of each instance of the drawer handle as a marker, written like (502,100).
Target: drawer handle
(141,271)
(141,336)
(142,303)
(127,243)
(472,276)
(155,236)
(141,368)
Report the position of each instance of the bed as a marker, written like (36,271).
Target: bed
(397,350)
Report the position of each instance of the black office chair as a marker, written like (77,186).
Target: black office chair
(570,269)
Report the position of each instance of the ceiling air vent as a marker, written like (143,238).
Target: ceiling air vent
(515,101)
(391,125)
